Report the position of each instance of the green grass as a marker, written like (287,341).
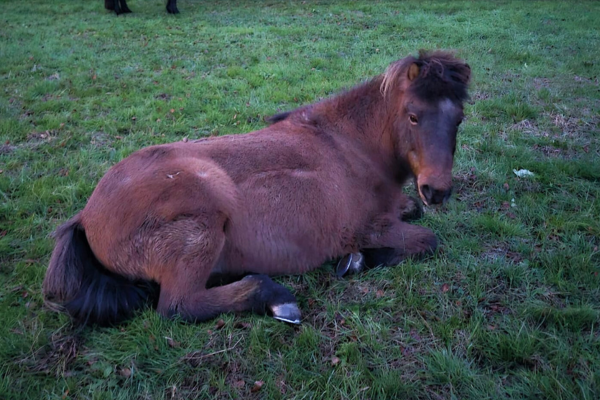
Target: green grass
(507,309)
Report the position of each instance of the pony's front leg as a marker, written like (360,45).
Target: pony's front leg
(408,208)
(392,241)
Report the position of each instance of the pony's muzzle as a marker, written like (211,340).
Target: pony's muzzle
(431,195)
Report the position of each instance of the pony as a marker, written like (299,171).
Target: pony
(120,6)
(199,227)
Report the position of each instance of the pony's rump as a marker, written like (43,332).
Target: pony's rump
(79,284)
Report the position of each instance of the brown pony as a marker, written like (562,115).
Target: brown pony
(199,226)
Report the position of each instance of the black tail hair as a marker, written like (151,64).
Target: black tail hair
(277,117)
(79,284)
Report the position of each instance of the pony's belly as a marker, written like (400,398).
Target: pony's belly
(270,256)
(276,245)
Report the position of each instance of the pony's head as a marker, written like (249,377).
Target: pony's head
(427,94)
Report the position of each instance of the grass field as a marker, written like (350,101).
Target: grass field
(507,309)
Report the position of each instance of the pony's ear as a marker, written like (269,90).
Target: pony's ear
(413,71)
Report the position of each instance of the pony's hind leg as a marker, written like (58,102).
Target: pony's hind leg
(185,287)
(256,293)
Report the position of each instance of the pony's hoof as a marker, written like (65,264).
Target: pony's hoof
(352,263)
(288,312)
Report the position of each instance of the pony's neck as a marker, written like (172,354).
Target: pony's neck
(361,114)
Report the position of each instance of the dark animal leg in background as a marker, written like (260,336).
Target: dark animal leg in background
(124,8)
(172,7)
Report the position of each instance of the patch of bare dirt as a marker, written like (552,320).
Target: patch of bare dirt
(541,83)
(501,251)
(54,358)
(7,148)
(479,95)
(470,189)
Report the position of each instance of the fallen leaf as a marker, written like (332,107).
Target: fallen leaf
(335,360)
(243,325)
(506,187)
(220,324)
(415,335)
(379,293)
(239,384)
(445,287)
(257,386)
(523,173)
(172,110)
(172,343)
(184,140)
(125,372)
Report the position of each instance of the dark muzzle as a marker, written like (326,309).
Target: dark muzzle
(431,195)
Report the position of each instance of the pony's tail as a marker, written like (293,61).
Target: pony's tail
(76,282)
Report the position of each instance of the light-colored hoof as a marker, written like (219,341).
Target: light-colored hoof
(288,312)
(352,263)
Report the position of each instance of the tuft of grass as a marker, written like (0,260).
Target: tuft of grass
(508,308)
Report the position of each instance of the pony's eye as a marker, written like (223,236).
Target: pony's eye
(413,119)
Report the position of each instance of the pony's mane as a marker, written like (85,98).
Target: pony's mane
(441,75)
